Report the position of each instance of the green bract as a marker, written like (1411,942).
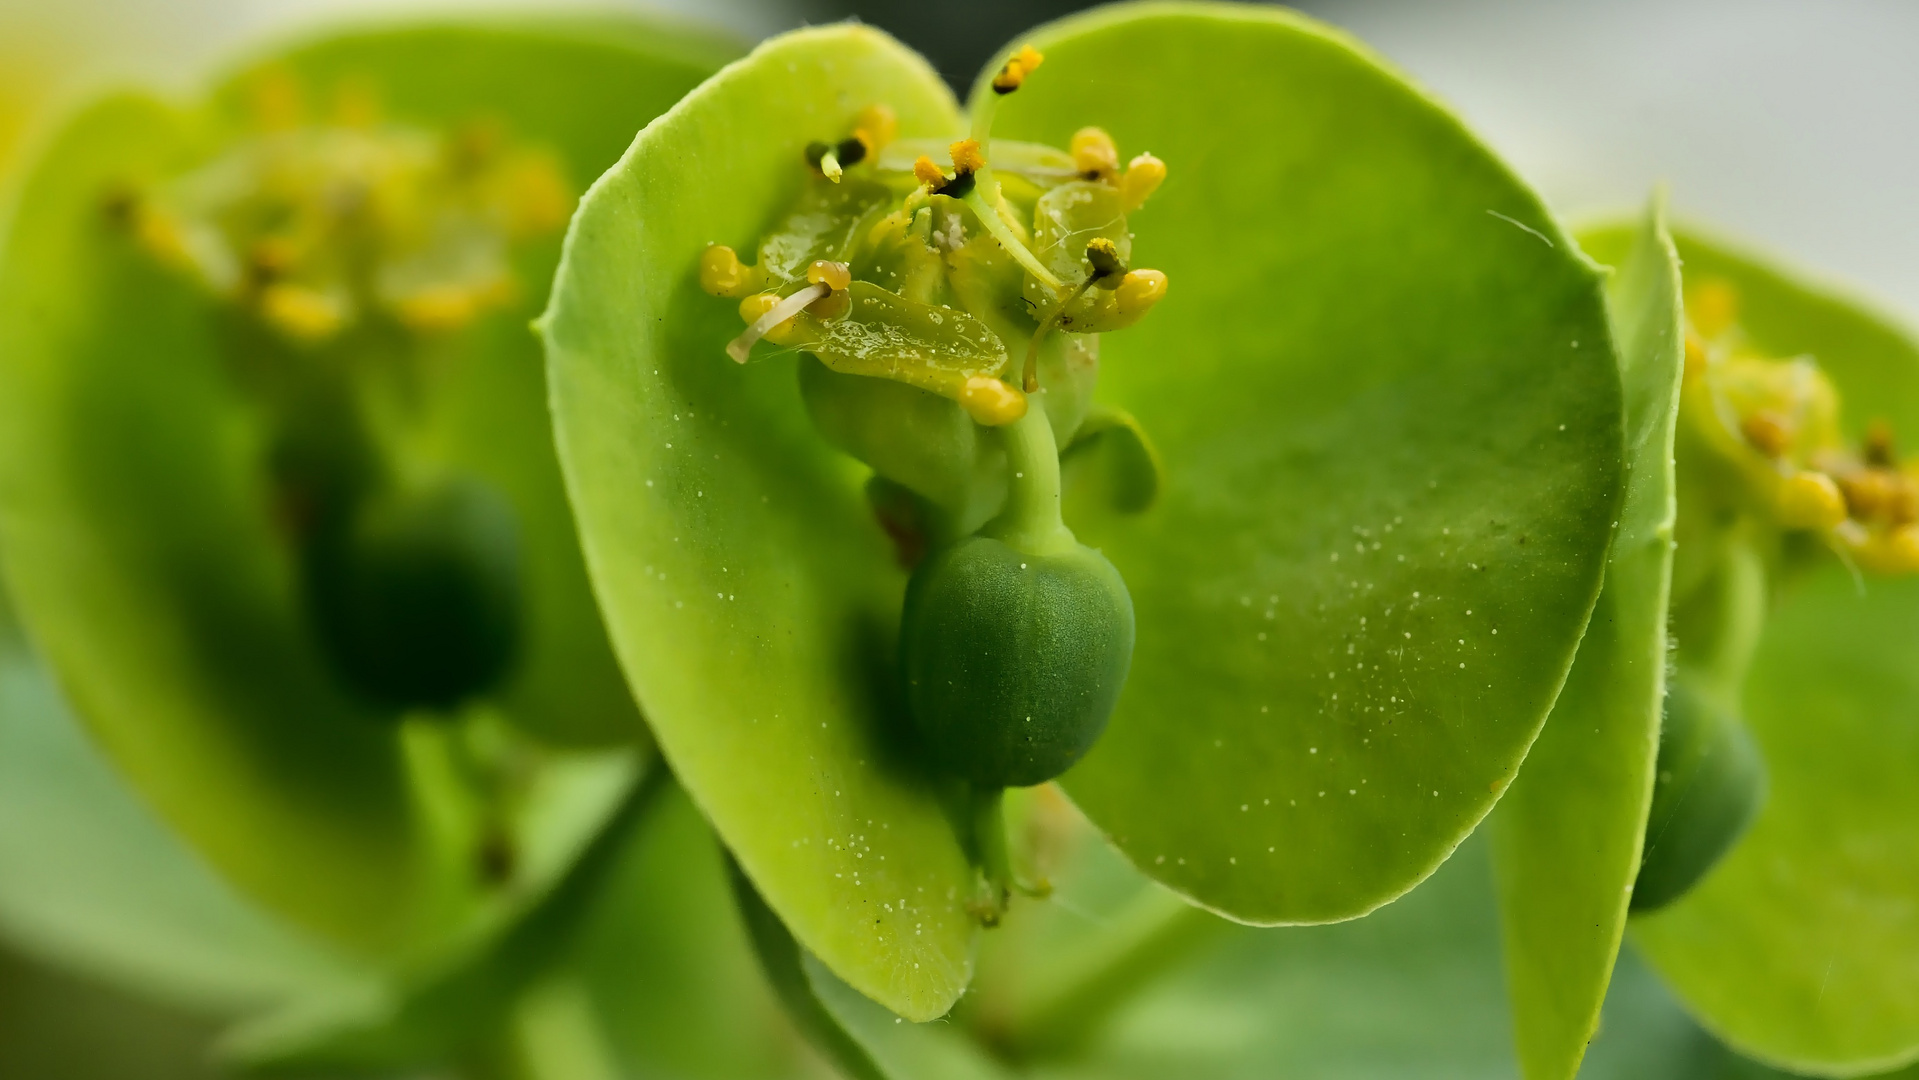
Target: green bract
(1375,428)
(145,452)
(1798,948)
(1567,836)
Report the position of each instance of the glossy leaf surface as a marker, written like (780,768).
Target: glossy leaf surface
(1384,393)
(1567,837)
(751,597)
(1802,947)
(141,549)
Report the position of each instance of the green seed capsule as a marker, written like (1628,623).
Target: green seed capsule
(417,597)
(1709,786)
(1014,661)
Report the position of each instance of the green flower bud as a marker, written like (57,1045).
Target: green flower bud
(416,598)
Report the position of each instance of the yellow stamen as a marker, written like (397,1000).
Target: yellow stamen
(1868,492)
(1143,176)
(1094,153)
(1810,500)
(876,126)
(834,275)
(770,316)
(161,234)
(928,172)
(355,104)
(1103,255)
(991,402)
(723,274)
(967,156)
(1139,290)
(1895,551)
(301,312)
(1022,64)
(1713,307)
(1768,432)
(1696,358)
(439,308)
(276,100)
(535,196)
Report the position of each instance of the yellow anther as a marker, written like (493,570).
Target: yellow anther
(834,275)
(161,234)
(967,156)
(1094,154)
(928,172)
(1016,69)
(1143,176)
(1810,500)
(759,304)
(991,402)
(439,308)
(1138,291)
(1695,358)
(302,312)
(276,100)
(1895,551)
(723,274)
(1108,268)
(1869,492)
(876,126)
(1877,446)
(355,104)
(1768,432)
(1713,307)
(272,259)
(537,200)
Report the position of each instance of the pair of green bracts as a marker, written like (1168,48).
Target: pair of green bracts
(1401,446)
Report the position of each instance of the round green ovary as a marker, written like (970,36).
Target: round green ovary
(1013,661)
(418,600)
(1710,783)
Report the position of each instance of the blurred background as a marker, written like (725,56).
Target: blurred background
(1787,123)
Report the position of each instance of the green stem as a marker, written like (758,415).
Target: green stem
(989,840)
(1718,628)
(1031,522)
(1073,999)
(557,1035)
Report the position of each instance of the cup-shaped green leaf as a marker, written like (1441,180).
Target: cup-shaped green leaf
(1567,836)
(750,594)
(1383,389)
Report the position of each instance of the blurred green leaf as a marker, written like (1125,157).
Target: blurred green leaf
(1383,388)
(1567,836)
(140,549)
(1802,947)
(1414,991)
(89,880)
(54,1026)
(432,1019)
(751,597)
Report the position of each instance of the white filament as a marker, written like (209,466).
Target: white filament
(782,311)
